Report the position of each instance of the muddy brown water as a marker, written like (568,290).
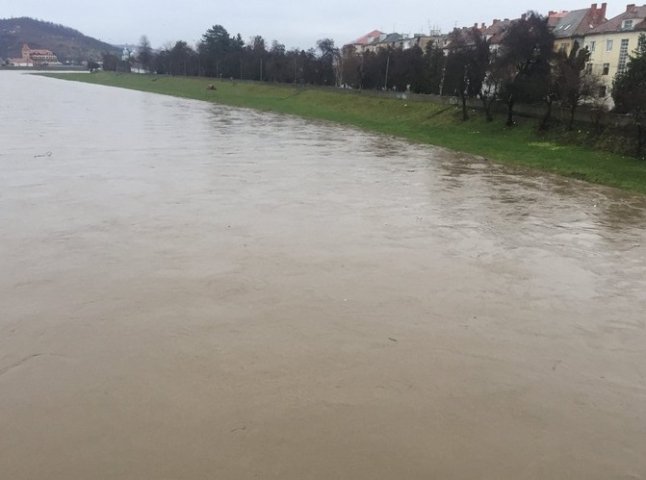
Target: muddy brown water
(190,291)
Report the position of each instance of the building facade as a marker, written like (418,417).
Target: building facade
(376,40)
(611,43)
(571,27)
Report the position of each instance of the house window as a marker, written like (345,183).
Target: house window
(628,25)
(563,47)
(623,55)
(608,45)
(588,68)
(602,91)
(592,45)
(606,69)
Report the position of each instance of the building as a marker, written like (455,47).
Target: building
(573,26)
(495,32)
(375,40)
(463,37)
(34,58)
(360,44)
(612,42)
(417,40)
(389,40)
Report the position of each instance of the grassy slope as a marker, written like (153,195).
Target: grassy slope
(418,121)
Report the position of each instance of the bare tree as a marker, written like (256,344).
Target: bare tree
(525,57)
(145,53)
(629,92)
(572,83)
(466,65)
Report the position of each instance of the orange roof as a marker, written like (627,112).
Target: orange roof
(553,18)
(368,38)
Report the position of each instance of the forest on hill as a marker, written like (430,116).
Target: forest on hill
(69,45)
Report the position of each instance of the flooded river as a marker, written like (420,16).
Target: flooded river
(190,291)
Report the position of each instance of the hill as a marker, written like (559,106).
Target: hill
(69,45)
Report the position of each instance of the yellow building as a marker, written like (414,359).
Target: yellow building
(612,42)
(573,26)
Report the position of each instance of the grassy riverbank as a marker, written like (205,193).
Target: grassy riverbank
(423,122)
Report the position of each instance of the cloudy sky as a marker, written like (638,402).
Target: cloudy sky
(294,23)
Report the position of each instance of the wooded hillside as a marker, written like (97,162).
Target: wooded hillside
(68,44)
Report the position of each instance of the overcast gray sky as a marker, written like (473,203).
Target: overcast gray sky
(296,24)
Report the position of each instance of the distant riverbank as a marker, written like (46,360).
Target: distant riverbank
(422,122)
(48,68)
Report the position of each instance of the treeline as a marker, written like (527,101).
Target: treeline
(522,68)
(223,56)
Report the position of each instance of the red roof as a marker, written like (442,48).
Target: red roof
(368,38)
(553,18)
(633,12)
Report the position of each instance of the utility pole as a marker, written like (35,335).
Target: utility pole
(442,79)
(387,67)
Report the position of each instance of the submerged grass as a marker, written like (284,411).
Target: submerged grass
(424,122)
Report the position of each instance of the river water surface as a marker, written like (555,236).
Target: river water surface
(191,291)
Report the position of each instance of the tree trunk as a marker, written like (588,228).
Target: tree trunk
(640,139)
(487,109)
(545,122)
(510,112)
(465,113)
(570,125)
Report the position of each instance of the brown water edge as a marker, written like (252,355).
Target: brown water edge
(192,291)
